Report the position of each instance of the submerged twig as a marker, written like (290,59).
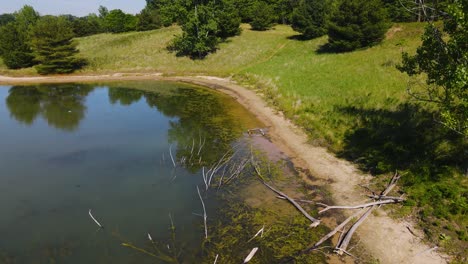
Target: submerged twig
(172,158)
(94,219)
(251,255)
(315,222)
(204,213)
(258,233)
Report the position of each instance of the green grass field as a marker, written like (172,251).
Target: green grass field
(354,103)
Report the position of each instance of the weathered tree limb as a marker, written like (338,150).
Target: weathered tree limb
(383,197)
(341,247)
(333,232)
(315,222)
(328,207)
(251,255)
(94,219)
(297,200)
(204,213)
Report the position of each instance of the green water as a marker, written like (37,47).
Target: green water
(65,149)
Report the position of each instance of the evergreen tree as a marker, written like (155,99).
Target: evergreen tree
(53,46)
(262,16)
(356,24)
(228,19)
(310,18)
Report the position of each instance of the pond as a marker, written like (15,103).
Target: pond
(134,154)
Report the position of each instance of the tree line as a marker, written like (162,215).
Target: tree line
(46,42)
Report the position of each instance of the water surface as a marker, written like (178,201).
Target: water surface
(68,148)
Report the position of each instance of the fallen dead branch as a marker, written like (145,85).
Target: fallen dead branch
(329,207)
(94,219)
(315,222)
(251,255)
(343,245)
(383,197)
(204,213)
(297,200)
(333,232)
(367,208)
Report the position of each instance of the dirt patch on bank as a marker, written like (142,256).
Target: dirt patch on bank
(386,239)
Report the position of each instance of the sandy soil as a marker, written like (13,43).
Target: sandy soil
(386,239)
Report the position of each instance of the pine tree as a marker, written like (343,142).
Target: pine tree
(310,18)
(53,46)
(263,16)
(357,24)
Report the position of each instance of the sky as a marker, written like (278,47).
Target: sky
(74,7)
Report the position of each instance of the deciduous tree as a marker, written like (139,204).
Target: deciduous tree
(443,59)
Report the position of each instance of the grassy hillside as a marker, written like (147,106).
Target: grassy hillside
(354,103)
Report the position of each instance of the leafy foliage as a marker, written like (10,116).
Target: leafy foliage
(86,26)
(53,46)
(6,18)
(356,24)
(206,26)
(15,48)
(445,63)
(310,18)
(117,21)
(148,19)
(199,34)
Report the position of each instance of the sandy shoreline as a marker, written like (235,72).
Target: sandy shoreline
(388,240)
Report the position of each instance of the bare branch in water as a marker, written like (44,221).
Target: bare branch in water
(204,213)
(172,157)
(258,233)
(94,219)
(251,255)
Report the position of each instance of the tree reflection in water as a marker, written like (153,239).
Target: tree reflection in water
(202,125)
(62,106)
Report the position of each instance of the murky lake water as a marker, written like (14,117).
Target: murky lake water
(65,149)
